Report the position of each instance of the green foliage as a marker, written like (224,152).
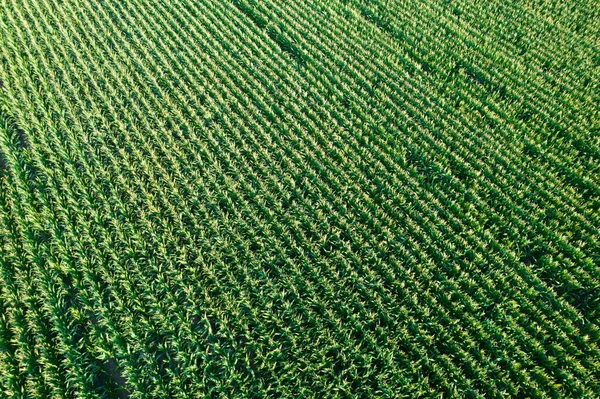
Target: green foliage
(284,199)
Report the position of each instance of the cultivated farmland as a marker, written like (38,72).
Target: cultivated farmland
(298,199)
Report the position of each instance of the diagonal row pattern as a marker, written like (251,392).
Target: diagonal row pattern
(299,199)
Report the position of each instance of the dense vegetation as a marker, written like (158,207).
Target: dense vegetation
(286,199)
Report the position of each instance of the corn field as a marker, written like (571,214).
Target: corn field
(299,199)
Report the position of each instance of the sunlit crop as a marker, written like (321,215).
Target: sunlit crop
(299,199)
